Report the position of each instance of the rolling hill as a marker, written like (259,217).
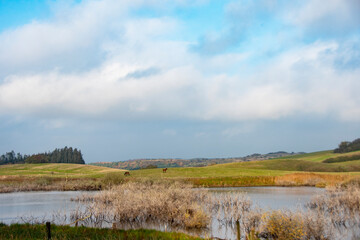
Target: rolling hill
(55,170)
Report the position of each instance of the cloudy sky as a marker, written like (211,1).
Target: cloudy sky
(125,79)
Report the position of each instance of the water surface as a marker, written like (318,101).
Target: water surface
(275,197)
(19,207)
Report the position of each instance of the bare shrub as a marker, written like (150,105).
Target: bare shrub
(231,207)
(316,226)
(172,203)
(252,221)
(283,225)
(339,207)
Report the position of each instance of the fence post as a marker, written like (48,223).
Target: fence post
(48,230)
(238,234)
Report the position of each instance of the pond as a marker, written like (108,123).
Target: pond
(48,206)
(275,198)
(23,207)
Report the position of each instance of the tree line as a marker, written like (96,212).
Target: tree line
(348,146)
(62,155)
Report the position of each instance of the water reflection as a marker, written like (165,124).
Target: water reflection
(23,206)
(275,197)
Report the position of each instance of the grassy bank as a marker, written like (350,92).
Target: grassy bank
(57,170)
(293,179)
(54,176)
(320,156)
(27,231)
(25,184)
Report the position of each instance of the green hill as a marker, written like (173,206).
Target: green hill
(298,170)
(319,156)
(310,169)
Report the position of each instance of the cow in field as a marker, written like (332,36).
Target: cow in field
(164,170)
(126,173)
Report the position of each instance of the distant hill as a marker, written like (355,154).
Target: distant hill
(195,162)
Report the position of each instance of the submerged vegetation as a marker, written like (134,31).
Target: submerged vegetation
(333,215)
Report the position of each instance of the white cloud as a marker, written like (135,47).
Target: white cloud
(331,17)
(302,80)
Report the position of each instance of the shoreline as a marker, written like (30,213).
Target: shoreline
(71,186)
(19,183)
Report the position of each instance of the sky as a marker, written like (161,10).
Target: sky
(128,79)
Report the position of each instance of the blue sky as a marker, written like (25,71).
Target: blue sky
(145,79)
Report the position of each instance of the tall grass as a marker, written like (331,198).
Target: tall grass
(233,181)
(29,232)
(311,179)
(293,179)
(24,184)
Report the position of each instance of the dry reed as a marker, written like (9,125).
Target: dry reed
(24,184)
(335,214)
(311,179)
(176,204)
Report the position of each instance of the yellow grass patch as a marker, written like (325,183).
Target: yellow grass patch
(312,179)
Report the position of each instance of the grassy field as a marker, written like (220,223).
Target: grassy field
(306,169)
(56,170)
(27,231)
(53,176)
(319,156)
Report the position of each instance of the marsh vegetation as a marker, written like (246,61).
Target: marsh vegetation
(167,202)
(335,214)
(173,206)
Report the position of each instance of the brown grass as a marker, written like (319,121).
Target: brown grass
(25,184)
(283,225)
(241,181)
(311,179)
